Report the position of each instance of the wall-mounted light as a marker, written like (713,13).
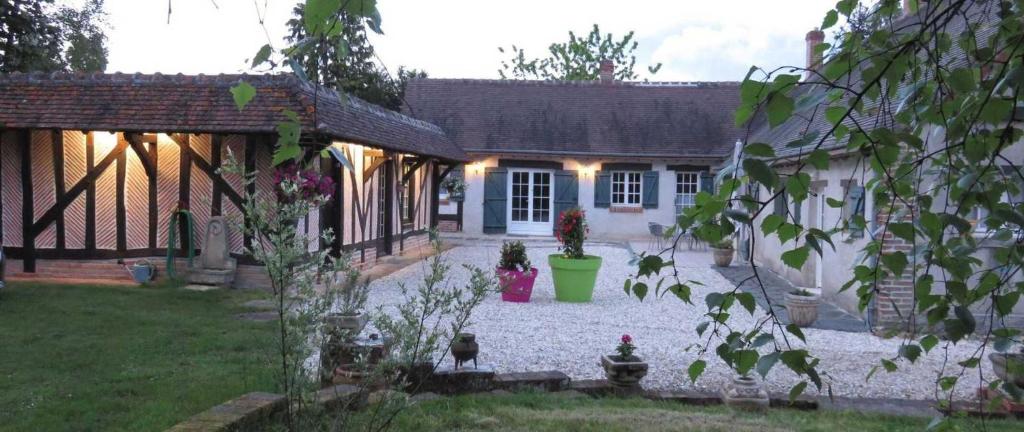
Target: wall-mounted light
(476,167)
(587,170)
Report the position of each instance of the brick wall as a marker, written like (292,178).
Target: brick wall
(894,303)
(448,226)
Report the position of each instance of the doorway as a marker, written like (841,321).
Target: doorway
(530,202)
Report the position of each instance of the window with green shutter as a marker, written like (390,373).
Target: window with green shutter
(495,200)
(853,211)
(602,189)
(650,187)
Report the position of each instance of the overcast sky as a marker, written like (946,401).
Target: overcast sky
(696,40)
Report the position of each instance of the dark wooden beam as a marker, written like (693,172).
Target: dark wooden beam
(154,202)
(389,207)
(412,169)
(184,171)
(216,205)
(252,143)
(434,196)
(375,163)
(121,213)
(136,142)
(90,192)
(57,142)
(28,239)
(65,200)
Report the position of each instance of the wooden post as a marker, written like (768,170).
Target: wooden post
(27,202)
(216,204)
(57,143)
(154,218)
(389,206)
(120,214)
(90,193)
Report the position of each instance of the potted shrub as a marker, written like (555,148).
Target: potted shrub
(723,252)
(745,393)
(350,296)
(515,273)
(624,369)
(456,188)
(574,272)
(802,306)
(1009,367)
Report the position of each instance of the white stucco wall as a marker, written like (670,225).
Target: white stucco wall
(604,223)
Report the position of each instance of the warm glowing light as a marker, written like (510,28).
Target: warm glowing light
(104,141)
(587,170)
(476,167)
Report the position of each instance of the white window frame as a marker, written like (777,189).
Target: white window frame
(681,204)
(627,180)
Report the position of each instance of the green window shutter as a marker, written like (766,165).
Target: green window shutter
(780,205)
(495,200)
(603,189)
(855,200)
(707,182)
(650,192)
(567,192)
(797,209)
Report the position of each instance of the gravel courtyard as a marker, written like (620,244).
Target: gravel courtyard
(545,334)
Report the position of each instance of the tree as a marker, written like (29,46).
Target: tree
(347,61)
(578,59)
(35,35)
(930,106)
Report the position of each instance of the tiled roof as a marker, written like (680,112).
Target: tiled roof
(203,104)
(625,119)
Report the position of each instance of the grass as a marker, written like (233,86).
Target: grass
(546,412)
(124,358)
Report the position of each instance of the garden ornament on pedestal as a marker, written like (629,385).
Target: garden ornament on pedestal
(746,393)
(723,252)
(802,306)
(464,349)
(624,370)
(350,296)
(216,266)
(574,273)
(515,274)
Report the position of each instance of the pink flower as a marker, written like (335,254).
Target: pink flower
(627,339)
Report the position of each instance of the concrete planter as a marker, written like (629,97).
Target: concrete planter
(803,310)
(351,323)
(624,372)
(574,278)
(746,393)
(1008,367)
(723,257)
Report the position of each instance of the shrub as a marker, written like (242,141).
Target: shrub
(572,230)
(513,257)
(725,243)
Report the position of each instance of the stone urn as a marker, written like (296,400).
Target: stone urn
(624,372)
(1009,367)
(745,393)
(802,306)
(351,323)
(465,349)
(723,256)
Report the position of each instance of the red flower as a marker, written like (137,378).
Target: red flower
(627,339)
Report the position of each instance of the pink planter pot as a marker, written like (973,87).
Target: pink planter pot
(516,286)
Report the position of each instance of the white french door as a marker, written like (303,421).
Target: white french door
(530,201)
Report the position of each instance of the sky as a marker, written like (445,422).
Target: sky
(695,40)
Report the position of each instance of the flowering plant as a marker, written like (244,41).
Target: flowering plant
(513,257)
(572,230)
(292,181)
(626,347)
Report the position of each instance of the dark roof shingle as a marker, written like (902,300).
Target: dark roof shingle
(203,104)
(586,118)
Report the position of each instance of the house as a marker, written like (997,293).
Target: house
(629,153)
(93,166)
(849,177)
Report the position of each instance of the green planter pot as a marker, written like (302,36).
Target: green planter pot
(574,278)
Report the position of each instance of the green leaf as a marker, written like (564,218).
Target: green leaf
(896,261)
(903,230)
(929,342)
(765,364)
(889,365)
(797,390)
(747,300)
(761,172)
(626,285)
(797,186)
(835,113)
(682,291)
(696,368)
(818,159)
(759,150)
(771,223)
(830,19)
(745,361)
(243,93)
(262,55)
(319,14)
(780,108)
(910,352)
(834,203)
(794,330)
(796,258)
(702,327)
(962,80)
(640,290)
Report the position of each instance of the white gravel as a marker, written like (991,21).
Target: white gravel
(545,335)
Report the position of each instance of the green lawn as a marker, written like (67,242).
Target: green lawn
(543,412)
(124,358)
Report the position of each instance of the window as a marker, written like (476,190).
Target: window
(382,199)
(687,186)
(407,199)
(979,213)
(853,210)
(626,188)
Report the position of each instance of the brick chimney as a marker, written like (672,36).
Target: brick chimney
(607,71)
(814,38)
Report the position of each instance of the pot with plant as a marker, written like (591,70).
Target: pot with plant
(624,370)
(1009,367)
(350,294)
(574,272)
(746,393)
(456,187)
(723,251)
(802,306)
(515,274)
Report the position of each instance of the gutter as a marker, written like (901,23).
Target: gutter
(592,154)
